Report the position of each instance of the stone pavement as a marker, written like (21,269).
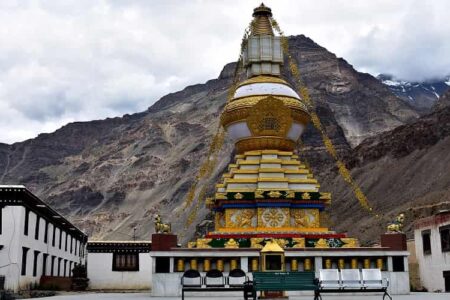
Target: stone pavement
(146,296)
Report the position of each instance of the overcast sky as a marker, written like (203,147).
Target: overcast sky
(64,61)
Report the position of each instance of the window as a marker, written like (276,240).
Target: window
(24,260)
(54,236)
(36,256)
(52,272)
(125,262)
(1,218)
(60,238)
(398,263)
(162,265)
(71,244)
(59,267)
(70,269)
(65,243)
(445,238)
(65,268)
(36,229)
(426,241)
(44,264)
(27,217)
(46,232)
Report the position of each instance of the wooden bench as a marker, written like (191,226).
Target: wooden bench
(284,281)
(214,281)
(351,281)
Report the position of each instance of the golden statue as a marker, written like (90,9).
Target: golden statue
(161,227)
(231,244)
(397,225)
(244,219)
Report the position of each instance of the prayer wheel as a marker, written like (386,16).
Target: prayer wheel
(219,265)
(206,265)
(341,263)
(380,263)
(294,265)
(233,264)
(255,264)
(328,264)
(180,265)
(194,264)
(307,264)
(354,263)
(366,263)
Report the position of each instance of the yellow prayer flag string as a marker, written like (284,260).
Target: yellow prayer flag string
(304,94)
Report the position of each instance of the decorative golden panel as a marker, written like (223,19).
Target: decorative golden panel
(350,242)
(255,243)
(203,243)
(299,242)
(240,218)
(305,218)
(273,217)
(270,117)
(231,243)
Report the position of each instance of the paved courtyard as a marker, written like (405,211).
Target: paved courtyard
(142,296)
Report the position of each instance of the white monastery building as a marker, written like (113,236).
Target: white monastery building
(119,265)
(432,239)
(35,240)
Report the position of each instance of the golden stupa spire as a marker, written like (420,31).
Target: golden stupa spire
(261,22)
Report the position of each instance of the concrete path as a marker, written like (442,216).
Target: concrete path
(146,296)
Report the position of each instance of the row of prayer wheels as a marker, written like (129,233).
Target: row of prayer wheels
(294,266)
(354,263)
(207,263)
(234,264)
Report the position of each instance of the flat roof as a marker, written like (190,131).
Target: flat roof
(434,220)
(119,246)
(19,195)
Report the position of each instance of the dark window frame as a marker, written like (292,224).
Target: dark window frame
(126,262)
(59,267)
(1,219)
(35,260)
(52,272)
(65,268)
(24,261)
(54,236)
(60,238)
(27,220)
(445,238)
(162,265)
(426,242)
(65,242)
(46,231)
(36,229)
(44,263)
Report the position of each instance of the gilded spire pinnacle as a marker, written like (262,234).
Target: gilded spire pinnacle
(261,23)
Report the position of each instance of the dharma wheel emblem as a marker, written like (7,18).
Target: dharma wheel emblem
(270,117)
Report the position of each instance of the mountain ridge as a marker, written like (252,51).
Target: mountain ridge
(110,176)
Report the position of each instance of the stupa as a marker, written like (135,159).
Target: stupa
(267,192)
(268,204)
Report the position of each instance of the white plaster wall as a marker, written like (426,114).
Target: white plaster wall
(101,276)
(431,266)
(13,239)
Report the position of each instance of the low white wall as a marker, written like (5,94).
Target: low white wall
(101,276)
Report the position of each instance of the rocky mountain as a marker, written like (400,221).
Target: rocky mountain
(443,101)
(110,176)
(421,95)
(403,170)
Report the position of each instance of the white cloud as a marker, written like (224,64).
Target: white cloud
(63,61)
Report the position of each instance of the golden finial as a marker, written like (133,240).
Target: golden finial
(261,24)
